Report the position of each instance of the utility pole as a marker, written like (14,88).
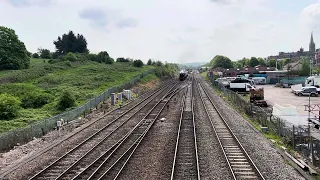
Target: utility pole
(310,137)
(311,65)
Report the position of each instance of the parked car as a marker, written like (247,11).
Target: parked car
(306,91)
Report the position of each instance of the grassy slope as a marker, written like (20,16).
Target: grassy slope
(83,80)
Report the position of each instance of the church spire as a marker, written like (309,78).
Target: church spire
(311,40)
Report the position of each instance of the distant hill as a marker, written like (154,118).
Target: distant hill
(193,64)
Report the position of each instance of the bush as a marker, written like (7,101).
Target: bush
(35,100)
(121,59)
(54,55)
(65,101)
(9,106)
(93,57)
(70,57)
(137,63)
(35,55)
(45,53)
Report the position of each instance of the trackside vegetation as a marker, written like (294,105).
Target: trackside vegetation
(35,86)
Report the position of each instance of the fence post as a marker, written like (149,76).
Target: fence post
(293,143)
(278,126)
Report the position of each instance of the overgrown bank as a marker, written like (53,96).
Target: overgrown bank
(36,92)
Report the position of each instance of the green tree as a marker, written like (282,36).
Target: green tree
(13,53)
(272,63)
(29,54)
(44,53)
(237,64)
(262,62)
(149,62)
(93,57)
(243,62)
(158,63)
(35,55)
(66,100)
(253,62)
(221,61)
(305,67)
(103,56)
(71,43)
(9,106)
(137,63)
(54,55)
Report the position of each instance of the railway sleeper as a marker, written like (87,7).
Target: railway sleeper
(248,177)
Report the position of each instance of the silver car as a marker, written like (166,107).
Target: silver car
(307,91)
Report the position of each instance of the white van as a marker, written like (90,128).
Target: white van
(259,80)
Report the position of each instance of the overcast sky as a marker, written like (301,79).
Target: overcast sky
(168,30)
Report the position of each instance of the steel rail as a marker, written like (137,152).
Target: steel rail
(103,128)
(117,144)
(178,136)
(179,140)
(254,167)
(8,170)
(144,134)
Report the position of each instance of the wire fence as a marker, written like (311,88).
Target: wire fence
(10,139)
(297,137)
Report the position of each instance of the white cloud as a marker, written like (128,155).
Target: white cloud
(176,31)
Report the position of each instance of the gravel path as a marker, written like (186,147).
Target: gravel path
(212,162)
(154,157)
(260,149)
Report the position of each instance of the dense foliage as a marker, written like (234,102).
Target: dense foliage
(121,59)
(66,100)
(221,61)
(44,53)
(104,57)
(137,63)
(71,43)
(13,53)
(9,106)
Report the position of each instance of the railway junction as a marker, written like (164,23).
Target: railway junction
(183,130)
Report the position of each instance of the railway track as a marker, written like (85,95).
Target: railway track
(238,160)
(110,163)
(91,146)
(185,163)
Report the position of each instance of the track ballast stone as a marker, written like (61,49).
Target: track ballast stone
(212,162)
(261,151)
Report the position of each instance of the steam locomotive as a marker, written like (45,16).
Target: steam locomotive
(183,75)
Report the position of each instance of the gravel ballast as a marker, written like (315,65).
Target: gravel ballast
(212,162)
(260,149)
(154,156)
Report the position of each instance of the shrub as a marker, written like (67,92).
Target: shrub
(65,101)
(137,63)
(54,55)
(35,100)
(121,59)
(70,57)
(35,55)
(45,53)
(9,106)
